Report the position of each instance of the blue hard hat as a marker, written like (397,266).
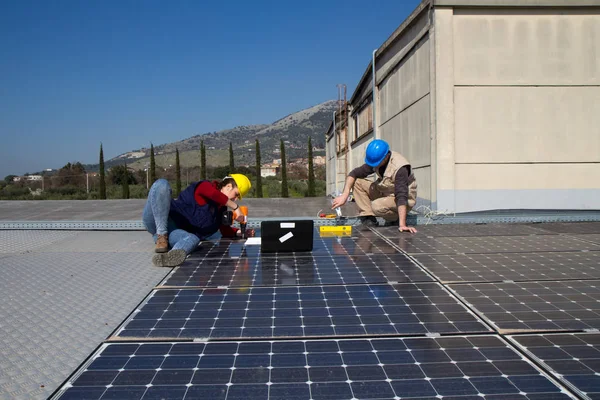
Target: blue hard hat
(376,152)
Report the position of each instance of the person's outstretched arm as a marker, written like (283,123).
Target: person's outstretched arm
(360,172)
(401,197)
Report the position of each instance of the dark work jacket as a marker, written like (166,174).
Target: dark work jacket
(190,216)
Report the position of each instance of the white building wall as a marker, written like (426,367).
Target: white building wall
(526,106)
(495,107)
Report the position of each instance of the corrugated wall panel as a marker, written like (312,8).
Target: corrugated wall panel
(408,133)
(408,83)
(405,113)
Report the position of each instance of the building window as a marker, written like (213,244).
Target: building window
(364,120)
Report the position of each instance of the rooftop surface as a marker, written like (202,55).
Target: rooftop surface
(454,311)
(131,210)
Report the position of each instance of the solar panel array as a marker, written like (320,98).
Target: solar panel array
(456,311)
(303,311)
(573,358)
(454,367)
(301,270)
(499,267)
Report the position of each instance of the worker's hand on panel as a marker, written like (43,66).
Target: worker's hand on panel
(339,201)
(407,229)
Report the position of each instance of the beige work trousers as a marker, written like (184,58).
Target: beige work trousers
(371,201)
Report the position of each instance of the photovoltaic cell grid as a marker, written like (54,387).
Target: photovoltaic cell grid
(569,227)
(337,269)
(513,267)
(591,237)
(361,243)
(269,296)
(469,230)
(572,358)
(491,244)
(515,244)
(414,368)
(536,306)
(303,311)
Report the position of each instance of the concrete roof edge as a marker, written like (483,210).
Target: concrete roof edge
(329,128)
(405,24)
(516,3)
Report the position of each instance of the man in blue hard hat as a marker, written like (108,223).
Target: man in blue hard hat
(391,196)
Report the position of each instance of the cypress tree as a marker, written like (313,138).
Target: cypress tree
(177,173)
(231,163)
(311,171)
(152,165)
(259,192)
(102,175)
(125,183)
(202,160)
(284,182)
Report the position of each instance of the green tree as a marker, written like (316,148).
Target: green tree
(9,179)
(72,174)
(202,160)
(311,173)
(259,191)
(219,172)
(284,182)
(119,174)
(152,165)
(102,193)
(177,173)
(231,163)
(125,182)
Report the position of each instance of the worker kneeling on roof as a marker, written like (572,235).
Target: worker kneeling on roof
(391,196)
(198,212)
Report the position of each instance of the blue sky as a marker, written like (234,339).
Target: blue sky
(128,73)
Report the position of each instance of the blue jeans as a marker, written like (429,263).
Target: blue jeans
(157,222)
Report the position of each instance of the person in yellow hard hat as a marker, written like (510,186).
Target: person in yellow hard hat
(197,213)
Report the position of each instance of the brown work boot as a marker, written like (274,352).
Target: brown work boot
(170,259)
(162,244)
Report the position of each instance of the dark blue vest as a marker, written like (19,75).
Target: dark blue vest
(188,215)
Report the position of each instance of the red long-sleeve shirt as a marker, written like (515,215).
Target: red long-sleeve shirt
(206,191)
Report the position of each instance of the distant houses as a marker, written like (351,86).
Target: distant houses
(267,170)
(273,168)
(27,178)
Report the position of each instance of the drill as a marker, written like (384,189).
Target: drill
(244,211)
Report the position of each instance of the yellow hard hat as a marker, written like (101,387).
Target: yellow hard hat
(243,183)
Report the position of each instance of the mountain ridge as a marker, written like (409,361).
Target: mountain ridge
(293,128)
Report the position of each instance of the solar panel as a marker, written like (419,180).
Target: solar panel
(464,230)
(591,237)
(466,367)
(302,311)
(572,358)
(358,244)
(490,244)
(514,244)
(270,271)
(536,306)
(515,267)
(420,244)
(570,227)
